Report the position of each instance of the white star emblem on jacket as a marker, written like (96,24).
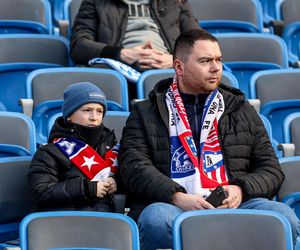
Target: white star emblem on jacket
(89,162)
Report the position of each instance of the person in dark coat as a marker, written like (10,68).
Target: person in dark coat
(77,169)
(139,33)
(192,135)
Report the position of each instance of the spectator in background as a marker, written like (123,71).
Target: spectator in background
(193,135)
(77,169)
(139,33)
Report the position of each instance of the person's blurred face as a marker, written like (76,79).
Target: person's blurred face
(201,72)
(90,114)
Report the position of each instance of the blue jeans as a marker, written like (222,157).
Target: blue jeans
(155,222)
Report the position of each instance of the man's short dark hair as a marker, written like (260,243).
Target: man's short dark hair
(185,42)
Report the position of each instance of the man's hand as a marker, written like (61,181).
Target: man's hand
(147,56)
(188,202)
(235,197)
(102,188)
(158,60)
(134,54)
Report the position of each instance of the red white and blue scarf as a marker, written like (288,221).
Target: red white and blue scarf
(87,160)
(195,175)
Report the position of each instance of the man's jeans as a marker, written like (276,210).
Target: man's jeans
(155,222)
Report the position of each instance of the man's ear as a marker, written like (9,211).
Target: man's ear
(179,67)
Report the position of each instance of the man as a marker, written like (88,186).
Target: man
(140,33)
(192,135)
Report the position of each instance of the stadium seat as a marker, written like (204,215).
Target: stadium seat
(279,95)
(233,229)
(15,201)
(45,88)
(18,135)
(291,170)
(247,53)
(291,135)
(27,16)
(78,229)
(288,12)
(218,16)
(269,13)
(149,78)
(19,55)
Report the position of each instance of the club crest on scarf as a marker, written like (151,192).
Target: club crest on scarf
(87,160)
(186,169)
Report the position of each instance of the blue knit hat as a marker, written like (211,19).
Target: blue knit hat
(81,93)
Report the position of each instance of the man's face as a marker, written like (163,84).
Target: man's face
(201,72)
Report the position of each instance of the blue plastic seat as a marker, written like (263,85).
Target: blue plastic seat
(28,16)
(233,229)
(78,229)
(15,201)
(288,12)
(149,78)
(291,133)
(18,135)
(45,87)
(269,10)
(222,16)
(247,53)
(23,53)
(291,184)
(279,94)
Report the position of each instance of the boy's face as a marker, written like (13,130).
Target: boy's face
(90,114)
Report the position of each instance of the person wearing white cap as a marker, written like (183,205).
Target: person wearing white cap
(77,169)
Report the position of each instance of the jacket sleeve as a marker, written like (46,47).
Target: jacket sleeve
(84,44)
(141,177)
(48,185)
(264,177)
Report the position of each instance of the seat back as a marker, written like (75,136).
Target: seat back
(25,16)
(225,229)
(291,131)
(46,88)
(18,134)
(291,169)
(49,84)
(246,53)
(78,229)
(217,16)
(287,11)
(279,94)
(13,82)
(149,78)
(15,201)
(116,120)
(269,10)
(274,85)
(34,48)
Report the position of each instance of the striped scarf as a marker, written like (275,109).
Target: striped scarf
(87,160)
(195,175)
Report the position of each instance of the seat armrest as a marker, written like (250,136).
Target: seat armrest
(255,103)
(63,26)
(288,149)
(27,106)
